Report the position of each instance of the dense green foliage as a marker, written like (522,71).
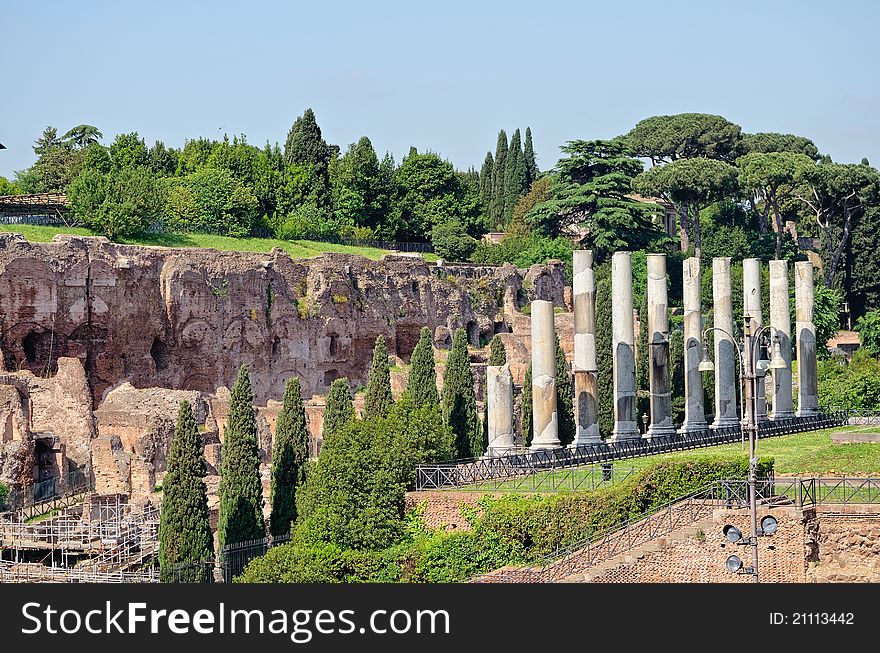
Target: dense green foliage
(240,490)
(421,385)
(378,399)
(527,410)
(458,401)
(4,496)
(564,398)
(854,386)
(497,352)
(185,538)
(604,358)
(290,454)
(511,529)
(868,327)
(339,409)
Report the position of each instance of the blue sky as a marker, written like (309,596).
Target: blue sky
(443,76)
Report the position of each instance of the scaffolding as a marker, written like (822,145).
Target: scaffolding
(105,539)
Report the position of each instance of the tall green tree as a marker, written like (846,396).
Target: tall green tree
(691,184)
(240,490)
(764,142)
(487,180)
(516,181)
(305,146)
(604,356)
(421,386)
(496,210)
(458,403)
(339,409)
(360,195)
(527,425)
(590,189)
(837,195)
(663,139)
(290,453)
(82,136)
(378,399)
(769,180)
(185,540)
(564,398)
(497,351)
(531,162)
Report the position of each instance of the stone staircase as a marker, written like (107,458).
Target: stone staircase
(632,556)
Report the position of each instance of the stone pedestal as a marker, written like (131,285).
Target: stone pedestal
(752,308)
(544,417)
(726,354)
(694,412)
(586,390)
(805,331)
(658,349)
(623,348)
(499,400)
(780,320)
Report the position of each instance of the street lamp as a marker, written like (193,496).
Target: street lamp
(751,367)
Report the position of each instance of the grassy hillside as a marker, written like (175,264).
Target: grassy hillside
(296,248)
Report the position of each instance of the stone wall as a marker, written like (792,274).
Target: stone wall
(444,509)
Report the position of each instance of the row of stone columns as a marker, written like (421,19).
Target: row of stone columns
(727,356)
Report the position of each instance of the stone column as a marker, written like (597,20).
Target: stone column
(805,331)
(780,320)
(499,397)
(586,389)
(623,348)
(726,354)
(544,419)
(694,413)
(752,308)
(658,348)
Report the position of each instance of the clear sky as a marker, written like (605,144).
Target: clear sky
(438,75)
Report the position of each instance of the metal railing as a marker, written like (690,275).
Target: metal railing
(687,510)
(502,468)
(45,496)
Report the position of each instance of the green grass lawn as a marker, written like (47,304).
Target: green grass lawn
(801,454)
(296,248)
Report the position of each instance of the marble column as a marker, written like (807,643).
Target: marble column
(780,320)
(623,348)
(586,389)
(544,417)
(752,308)
(694,412)
(726,354)
(658,349)
(805,332)
(499,397)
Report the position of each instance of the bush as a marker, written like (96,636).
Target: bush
(451,242)
(214,200)
(4,496)
(855,386)
(117,203)
(323,563)
(306,222)
(524,251)
(868,327)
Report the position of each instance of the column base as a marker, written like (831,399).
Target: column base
(543,446)
(588,441)
(692,427)
(625,431)
(777,416)
(724,423)
(808,412)
(660,431)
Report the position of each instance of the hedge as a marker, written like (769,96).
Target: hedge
(507,530)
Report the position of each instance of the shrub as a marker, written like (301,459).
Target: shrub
(4,496)
(212,199)
(451,242)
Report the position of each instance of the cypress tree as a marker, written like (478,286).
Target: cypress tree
(526,403)
(643,391)
(421,386)
(496,210)
(604,359)
(529,154)
(487,179)
(241,492)
(515,176)
(306,147)
(378,400)
(290,452)
(339,409)
(497,352)
(459,403)
(564,398)
(184,526)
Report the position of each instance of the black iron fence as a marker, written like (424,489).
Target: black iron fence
(75,482)
(503,468)
(229,564)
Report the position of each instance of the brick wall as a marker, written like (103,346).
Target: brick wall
(444,508)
